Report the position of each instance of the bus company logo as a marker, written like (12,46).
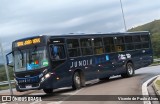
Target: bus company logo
(75,64)
(6,98)
(124,56)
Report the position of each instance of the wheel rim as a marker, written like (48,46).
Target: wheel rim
(77,79)
(130,69)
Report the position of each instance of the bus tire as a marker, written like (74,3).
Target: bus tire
(76,81)
(129,70)
(48,91)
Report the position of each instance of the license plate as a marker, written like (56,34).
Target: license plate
(28,86)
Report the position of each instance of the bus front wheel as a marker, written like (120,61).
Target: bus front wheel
(76,81)
(48,91)
(129,70)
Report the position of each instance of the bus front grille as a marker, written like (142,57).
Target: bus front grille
(29,80)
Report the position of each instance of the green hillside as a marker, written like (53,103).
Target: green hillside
(154,28)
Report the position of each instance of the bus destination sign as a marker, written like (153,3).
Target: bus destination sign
(27,42)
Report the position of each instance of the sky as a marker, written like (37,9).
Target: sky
(25,18)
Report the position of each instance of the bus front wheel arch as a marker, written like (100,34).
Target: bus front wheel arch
(129,70)
(78,80)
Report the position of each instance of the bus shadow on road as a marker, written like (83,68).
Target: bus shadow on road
(112,79)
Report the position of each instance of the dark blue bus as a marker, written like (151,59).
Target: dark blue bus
(50,62)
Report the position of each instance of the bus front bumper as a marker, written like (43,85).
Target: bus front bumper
(46,82)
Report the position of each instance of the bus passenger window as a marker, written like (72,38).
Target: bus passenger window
(129,47)
(145,38)
(87,51)
(109,48)
(145,45)
(72,43)
(136,38)
(128,39)
(98,50)
(86,42)
(86,46)
(73,47)
(98,45)
(109,44)
(74,52)
(119,44)
(129,43)
(119,40)
(120,48)
(138,46)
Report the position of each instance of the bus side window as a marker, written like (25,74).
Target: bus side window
(86,46)
(109,44)
(119,44)
(73,47)
(129,43)
(137,42)
(144,38)
(57,52)
(98,45)
(145,41)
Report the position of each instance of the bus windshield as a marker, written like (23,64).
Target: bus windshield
(30,59)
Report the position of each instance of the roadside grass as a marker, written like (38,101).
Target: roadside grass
(5,87)
(155,63)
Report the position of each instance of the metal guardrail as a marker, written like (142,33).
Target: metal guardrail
(6,82)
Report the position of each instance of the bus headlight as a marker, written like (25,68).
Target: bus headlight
(47,75)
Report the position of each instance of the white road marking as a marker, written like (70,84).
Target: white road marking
(144,88)
(59,102)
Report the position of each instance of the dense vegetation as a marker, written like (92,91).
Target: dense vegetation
(3,76)
(154,28)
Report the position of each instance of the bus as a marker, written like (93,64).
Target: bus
(49,62)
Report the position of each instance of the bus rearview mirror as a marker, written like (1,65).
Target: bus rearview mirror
(9,59)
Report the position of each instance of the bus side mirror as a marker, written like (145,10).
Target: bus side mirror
(9,59)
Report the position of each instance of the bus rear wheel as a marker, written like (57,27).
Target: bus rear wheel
(76,81)
(129,70)
(48,91)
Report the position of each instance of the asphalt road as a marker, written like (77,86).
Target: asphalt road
(97,90)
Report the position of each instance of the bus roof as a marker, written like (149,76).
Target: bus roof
(97,34)
(84,34)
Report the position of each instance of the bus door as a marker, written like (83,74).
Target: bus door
(58,56)
(59,63)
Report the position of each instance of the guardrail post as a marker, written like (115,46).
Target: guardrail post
(6,68)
